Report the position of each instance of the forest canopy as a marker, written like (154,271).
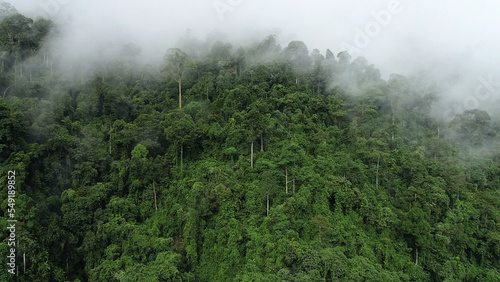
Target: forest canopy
(257,163)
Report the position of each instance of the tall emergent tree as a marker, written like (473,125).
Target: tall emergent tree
(177,64)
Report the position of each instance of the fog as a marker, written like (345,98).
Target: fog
(452,43)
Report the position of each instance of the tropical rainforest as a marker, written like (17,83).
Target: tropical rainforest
(239,163)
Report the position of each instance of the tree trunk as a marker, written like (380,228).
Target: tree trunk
(5,92)
(180,93)
(376,178)
(251,155)
(393,117)
(154,193)
(110,130)
(182,145)
(416,256)
(286,180)
(267,205)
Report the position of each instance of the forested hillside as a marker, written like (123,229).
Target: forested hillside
(252,163)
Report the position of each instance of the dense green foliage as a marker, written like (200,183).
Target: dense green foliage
(279,165)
